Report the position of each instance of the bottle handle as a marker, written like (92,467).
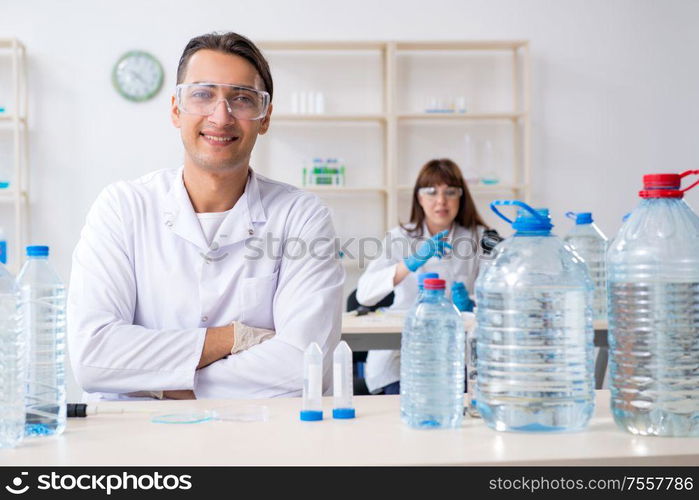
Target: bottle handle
(517,203)
(572,215)
(689,172)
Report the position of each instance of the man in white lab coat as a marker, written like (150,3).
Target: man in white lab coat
(177,273)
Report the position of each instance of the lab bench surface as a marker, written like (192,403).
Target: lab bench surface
(376,437)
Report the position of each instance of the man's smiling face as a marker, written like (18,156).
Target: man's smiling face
(219,142)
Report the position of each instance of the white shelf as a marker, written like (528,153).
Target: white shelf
(321,117)
(320,46)
(9,195)
(455,116)
(10,118)
(502,187)
(456,45)
(418,45)
(8,43)
(342,189)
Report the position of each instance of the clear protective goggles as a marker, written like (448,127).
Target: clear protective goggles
(431,192)
(243,103)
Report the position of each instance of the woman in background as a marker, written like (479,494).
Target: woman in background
(442,236)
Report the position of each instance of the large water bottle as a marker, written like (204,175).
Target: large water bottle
(591,244)
(653,269)
(432,362)
(534,331)
(12,363)
(489,242)
(43,305)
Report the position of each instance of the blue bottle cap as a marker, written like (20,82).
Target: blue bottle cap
(311,415)
(37,251)
(423,276)
(458,285)
(580,217)
(343,413)
(528,219)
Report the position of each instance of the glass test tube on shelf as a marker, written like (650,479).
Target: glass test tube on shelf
(489,174)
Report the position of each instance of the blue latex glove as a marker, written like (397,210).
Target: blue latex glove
(459,295)
(428,249)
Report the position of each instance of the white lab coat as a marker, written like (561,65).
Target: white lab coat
(383,366)
(145,285)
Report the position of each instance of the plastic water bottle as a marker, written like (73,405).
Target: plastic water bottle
(534,331)
(43,305)
(591,244)
(12,363)
(653,267)
(489,242)
(432,362)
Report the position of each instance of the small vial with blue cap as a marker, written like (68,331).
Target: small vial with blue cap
(342,382)
(312,406)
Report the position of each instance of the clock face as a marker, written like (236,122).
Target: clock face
(137,76)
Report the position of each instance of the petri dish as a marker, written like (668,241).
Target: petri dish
(188,417)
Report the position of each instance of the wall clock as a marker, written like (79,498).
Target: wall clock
(137,76)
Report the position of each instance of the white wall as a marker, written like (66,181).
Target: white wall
(614,88)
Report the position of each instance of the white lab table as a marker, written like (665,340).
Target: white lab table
(375,437)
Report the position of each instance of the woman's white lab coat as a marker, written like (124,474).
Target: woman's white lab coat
(383,367)
(146,284)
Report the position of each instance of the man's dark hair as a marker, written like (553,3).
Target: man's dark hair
(228,43)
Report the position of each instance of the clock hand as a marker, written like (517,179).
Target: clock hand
(137,76)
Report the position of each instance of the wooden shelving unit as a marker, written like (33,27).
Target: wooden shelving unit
(14,121)
(390,115)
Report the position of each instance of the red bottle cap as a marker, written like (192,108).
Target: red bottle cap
(434,284)
(665,185)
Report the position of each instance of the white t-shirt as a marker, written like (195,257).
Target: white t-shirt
(210,222)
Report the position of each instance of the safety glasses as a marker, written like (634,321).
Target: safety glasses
(431,192)
(244,103)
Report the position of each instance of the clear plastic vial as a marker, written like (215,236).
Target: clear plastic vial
(343,388)
(312,405)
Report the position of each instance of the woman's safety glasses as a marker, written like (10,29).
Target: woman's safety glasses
(244,103)
(431,192)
